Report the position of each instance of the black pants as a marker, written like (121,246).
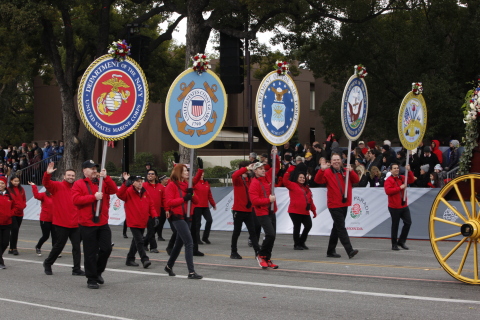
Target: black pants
(125,227)
(239,218)
(184,236)
(194,232)
(338,230)
(397,214)
(257,227)
(205,212)
(47,229)
(137,245)
(16,223)
(4,239)
(269,225)
(298,220)
(63,234)
(171,242)
(162,219)
(97,246)
(150,237)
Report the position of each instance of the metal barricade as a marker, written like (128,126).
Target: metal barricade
(33,172)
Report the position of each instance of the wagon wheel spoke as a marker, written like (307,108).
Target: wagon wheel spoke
(453,209)
(454,249)
(472,197)
(460,197)
(465,254)
(447,221)
(447,237)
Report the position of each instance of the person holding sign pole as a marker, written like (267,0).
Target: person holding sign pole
(262,198)
(96,236)
(397,205)
(338,202)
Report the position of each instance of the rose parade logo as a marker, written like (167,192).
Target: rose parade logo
(358,208)
(117,204)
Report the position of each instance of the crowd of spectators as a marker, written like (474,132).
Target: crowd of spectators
(371,161)
(15,158)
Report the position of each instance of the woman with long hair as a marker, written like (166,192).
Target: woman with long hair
(301,203)
(360,169)
(46,217)
(18,195)
(177,195)
(375,178)
(7,206)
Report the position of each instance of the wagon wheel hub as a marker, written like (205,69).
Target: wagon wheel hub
(471,229)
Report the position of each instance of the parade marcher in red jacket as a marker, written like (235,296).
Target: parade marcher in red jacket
(157,194)
(163,210)
(64,219)
(337,203)
(261,198)
(202,190)
(18,195)
(301,203)
(7,207)
(139,208)
(395,190)
(96,236)
(177,196)
(46,217)
(242,208)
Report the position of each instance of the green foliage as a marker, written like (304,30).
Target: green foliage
(168,159)
(469,140)
(138,166)
(112,170)
(216,172)
(234,163)
(266,61)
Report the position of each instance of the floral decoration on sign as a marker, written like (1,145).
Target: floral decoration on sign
(417,88)
(360,71)
(471,110)
(201,63)
(119,50)
(282,67)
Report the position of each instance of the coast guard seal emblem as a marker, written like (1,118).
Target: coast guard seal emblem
(195,108)
(277,108)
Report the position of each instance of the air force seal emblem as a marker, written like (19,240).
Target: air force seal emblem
(196,108)
(277,108)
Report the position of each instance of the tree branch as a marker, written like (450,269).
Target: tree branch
(167,35)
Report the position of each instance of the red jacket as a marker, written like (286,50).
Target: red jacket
(156,192)
(300,196)
(260,199)
(240,191)
(202,191)
(334,194)
(139,206)
(47,204)
(7,206)
(437,151)
(175,202)
(84,200)
(65,213)
(394,192)
(18,196)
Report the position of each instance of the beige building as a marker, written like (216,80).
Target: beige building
(153,135)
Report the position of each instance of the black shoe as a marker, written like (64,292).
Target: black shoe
(333,255)
(200,241)
(2,266)
(100,280)
(160,239)
(403,246)
(352,254)
(10,251)
(146,264)
(206,241)
(125,236)
(235,255)
(250,244)
(296,247)
(198,254)
(146,249)
(15,252)
(92,285)
(395,248)
(304,246)
(38,251)
(169,271)
(131,263)
(78,273)
(169,250)
(194,276)
(48,269)
(154,251)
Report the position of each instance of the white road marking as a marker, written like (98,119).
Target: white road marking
(273,285)
(64,309)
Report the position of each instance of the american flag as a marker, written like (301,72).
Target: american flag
(197,108)
(407,117)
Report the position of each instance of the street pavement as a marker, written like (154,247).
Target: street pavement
(378,283)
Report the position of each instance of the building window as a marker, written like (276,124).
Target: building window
(312,97)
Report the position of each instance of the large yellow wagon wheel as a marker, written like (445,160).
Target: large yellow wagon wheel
(454,228)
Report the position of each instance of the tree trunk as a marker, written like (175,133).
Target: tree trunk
(197,36)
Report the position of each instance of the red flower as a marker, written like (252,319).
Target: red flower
(279,64)
(284,68)
(414,90)
(204,57)
(279,71)
(195,58)
(199,64)
(205,63)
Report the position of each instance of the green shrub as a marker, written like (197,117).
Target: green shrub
(168,158)
(234,163)
(216,172)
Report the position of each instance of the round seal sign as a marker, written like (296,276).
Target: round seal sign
(277,108)
(354,107)
(196,108)
(113,97)
(412,120)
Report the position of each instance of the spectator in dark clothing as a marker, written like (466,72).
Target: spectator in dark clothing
(430,159)
(375,178)
(452,159)
(287,149)
(424,178)
(2,153)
